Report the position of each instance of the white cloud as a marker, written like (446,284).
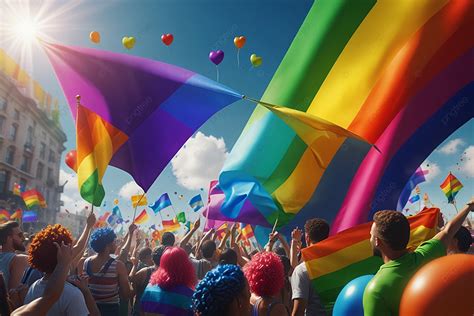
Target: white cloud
(433,170)
(452,146)
(467,164)
(199,161)
(72,199)
(129,189)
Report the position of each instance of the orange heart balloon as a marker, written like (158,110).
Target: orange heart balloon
(239,41)
(94,37)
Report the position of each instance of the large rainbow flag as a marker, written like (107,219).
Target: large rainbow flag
(392,72)
(333,262)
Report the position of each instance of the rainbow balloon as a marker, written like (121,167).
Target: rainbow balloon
(392,72)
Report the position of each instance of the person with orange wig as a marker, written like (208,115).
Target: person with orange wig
(266,278)
(171,286)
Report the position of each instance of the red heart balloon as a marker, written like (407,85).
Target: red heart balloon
(167,39)
(71,159)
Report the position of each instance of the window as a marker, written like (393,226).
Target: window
(16,115)
(13,132)
(10,157)
(3,104)
(4,175)
(25,163)
(39,171)
(42,150)
(50,174)
(51,156)
(2,123)
(29,136)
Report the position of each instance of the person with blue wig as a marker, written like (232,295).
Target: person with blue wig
(108,277)
(223,291)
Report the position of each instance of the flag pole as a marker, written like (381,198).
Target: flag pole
(274,225)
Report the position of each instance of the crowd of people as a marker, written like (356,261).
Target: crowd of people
(100,274)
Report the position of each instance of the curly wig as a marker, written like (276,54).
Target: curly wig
(42,251)
(101,237)
(175,269)
(265,274)
(217,290)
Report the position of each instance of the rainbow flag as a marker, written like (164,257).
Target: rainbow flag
(333,262)
(31,198)
(139,200)
(451,186)
(170,225)
(142,218)
(97,141)
(247,232)
(17,189)
(4,216)
(17,215)
(221,231)
(30,216)
(41,200)
(382,74)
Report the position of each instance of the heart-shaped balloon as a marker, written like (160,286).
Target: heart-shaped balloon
(71,159)
(256,60)
(216,56)
(94,37)
(128,42)
(167,39)
(239,41)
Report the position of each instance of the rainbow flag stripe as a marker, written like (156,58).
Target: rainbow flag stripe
(97,141)
(142,218)
(31,198)
(390,73)
(451,186)
(4,216)
(334,262)
(17,215)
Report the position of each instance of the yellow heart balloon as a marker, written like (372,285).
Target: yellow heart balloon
(256,60)
(128,42)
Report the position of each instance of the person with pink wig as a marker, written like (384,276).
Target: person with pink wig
(171,286)
(266,277)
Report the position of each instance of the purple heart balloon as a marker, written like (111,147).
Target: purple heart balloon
(216,56)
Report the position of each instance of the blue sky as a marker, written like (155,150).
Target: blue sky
(198,27)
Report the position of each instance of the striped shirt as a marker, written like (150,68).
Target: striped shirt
(175,302)
(104,285)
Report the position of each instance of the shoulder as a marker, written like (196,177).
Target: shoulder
(19,259)
(432,246)
(301,269)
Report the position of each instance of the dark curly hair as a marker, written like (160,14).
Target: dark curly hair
(42,251)
(317,229)
(464,239)
(265,274)
(218,289)
(101,237)
(393,228)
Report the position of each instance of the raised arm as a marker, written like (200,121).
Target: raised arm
(295,247)
(448,232)
(126,247)
(190,234)
(80,245)
(203,239)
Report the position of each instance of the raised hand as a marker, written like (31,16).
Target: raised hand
(64,254)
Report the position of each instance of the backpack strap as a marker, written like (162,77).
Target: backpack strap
(26,275)
(106,266)
(87,267)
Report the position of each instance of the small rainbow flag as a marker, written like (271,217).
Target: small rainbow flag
(17,215)
(247,232)
(42,201)
(333,262)
(102,220)
(221,230)
(17,189)
(451,186)
(170,225)
(31,198)
(142,218)
(139,200)
(4,216)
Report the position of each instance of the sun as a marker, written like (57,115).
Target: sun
(26,30)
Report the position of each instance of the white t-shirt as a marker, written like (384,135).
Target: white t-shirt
(70,303)
(302,288)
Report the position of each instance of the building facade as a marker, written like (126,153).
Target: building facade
(31,145)
(74,222)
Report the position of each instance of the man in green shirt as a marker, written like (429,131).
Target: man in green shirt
(389,237)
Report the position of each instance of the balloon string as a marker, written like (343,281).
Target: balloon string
(238,58)
(217,71)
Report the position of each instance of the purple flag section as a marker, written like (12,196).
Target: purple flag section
(215,218)
(159,106)
(417,178)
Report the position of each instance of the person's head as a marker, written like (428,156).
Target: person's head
(103,240)
(228,256)
(43,252)
(280,251)
(208,249)
(11,236)
(223,291)
(144,255)
(461,241)
(175,269)
(168,239)
(315,230)
(157,253)
(390,232)
(265,274)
